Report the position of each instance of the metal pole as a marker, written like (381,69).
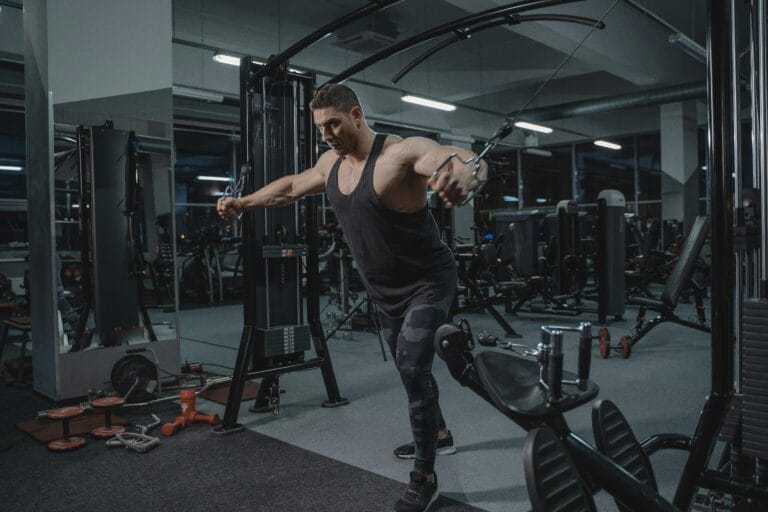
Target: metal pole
(757,141)
(520,184)
(762,178)
(720,159)
(637,177)
(574,175)
(738,292)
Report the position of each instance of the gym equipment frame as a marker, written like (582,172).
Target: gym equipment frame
(277,135)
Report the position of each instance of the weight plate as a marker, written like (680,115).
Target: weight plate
(127,370)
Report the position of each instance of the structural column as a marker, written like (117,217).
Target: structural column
(679,163)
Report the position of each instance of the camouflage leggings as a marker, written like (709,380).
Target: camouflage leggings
(410,340)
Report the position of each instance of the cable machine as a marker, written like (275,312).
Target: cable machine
(277,137)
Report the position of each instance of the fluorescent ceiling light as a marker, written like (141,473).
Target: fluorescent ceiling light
(541,200)
(533,127)
(197,94)
(538,152)
(510,199)
(424,102)
(16,168)
(224,58)
(212,178)
(606,144)
(234,60)
(689,46)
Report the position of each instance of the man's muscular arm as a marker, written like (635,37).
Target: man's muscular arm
(455,180)
(280,192)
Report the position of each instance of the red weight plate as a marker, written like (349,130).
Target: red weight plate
(60,445)
(65,412)
(104,432)
(626,346)
(108,401)
(605,347)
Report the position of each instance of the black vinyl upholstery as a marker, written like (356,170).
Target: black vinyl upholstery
(684,266)
(614,438)
(512,382)
(553,481)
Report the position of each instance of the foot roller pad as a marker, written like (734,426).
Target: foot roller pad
(614,439)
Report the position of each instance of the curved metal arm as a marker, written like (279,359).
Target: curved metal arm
(465,33)
(321,33)
(489,14)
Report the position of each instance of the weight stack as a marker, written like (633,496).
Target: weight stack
(754,364)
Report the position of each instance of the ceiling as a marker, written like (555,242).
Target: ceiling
(493,73)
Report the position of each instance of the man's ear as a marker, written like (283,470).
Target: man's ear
(357,114)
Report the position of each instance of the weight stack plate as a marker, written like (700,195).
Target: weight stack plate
(732,420)
(754,364)
(280,341)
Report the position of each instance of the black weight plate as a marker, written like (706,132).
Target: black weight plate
(127,370)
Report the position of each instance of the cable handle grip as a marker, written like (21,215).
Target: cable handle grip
(554,377)
(585,353)
(475,162)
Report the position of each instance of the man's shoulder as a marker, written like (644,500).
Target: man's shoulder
(392,140)
(325,162)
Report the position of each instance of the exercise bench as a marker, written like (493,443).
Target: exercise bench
(680,277)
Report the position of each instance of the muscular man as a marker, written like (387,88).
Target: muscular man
(377,185)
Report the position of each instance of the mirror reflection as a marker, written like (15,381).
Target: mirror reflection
(114,238)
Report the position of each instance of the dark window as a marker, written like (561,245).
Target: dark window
(200,156)
(13,172)
(601,169)
(649,166)
(547,179)
(500,192)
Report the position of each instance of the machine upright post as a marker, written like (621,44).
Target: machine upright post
(720,160)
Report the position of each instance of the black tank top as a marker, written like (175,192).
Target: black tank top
(401,259)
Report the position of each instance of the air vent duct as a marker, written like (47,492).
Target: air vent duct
(372,36)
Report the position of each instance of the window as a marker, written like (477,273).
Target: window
(13,174)
(649,167)
(501,190)
(204,168)
(605,169)
(546,179)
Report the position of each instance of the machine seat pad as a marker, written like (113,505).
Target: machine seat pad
(516,285)
(512,382)
(654,304)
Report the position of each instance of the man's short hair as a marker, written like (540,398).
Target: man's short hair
(338,96)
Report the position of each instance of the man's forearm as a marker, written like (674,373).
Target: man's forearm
(277,193)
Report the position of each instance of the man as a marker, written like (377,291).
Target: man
(377,187)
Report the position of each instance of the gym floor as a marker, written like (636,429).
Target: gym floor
(315,458)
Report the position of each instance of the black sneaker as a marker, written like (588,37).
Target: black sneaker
(444,447)
(419,494)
